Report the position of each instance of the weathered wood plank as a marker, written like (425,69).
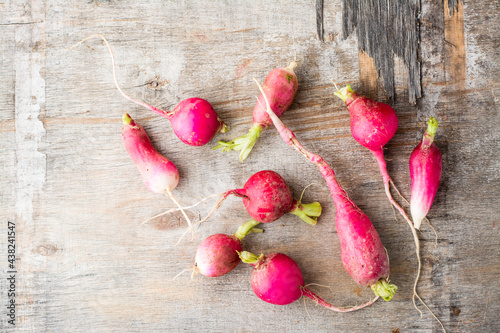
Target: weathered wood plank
(86,265)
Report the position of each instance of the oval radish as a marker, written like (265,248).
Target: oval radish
(217,255)
(281,86)
(158,173)
(426,165)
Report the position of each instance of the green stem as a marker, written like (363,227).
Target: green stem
(428,138)
(384,289)
(344,93)
(308,213)
(243,143)
(246,229)
(250,258)
(127,120)
(432,126)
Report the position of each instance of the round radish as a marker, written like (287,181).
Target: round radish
(266,197)
(194,120)
(281,86)
(218,254)
(277,279)
(426,165)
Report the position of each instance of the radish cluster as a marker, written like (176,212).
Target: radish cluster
(276,278)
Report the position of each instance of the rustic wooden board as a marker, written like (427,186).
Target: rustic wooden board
(84,263)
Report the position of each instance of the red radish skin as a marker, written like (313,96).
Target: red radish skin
(363,255)
(426,165)
(158,173)
(280,86)
(194,121)
(266,197)
(277,279)
(217,255)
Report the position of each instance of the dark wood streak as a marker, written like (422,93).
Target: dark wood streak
(319,19)
(386,29)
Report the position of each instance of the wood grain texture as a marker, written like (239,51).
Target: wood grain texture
(386,30)
(85,265)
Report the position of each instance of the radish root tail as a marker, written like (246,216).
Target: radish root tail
(190,224)
(152,108)
(171,210)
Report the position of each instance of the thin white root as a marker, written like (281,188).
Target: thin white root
(184,270)
(171,210)
(195,271)
(435,233)
(337,88)
(394,186)
(432,313)
(317,284)
(152,108)
(186,231)
(307,311)
(182,211)
(222,197)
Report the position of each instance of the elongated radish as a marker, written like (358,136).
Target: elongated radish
(363,255)
(158,173)
(266,197)
(280,86)
(277,279)
(426,165)
(194,120)
(218,254)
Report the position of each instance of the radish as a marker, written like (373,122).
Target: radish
(158,173)
(277,279)
(218,254)
(194,120)
(266,197)
(281,86)
(426,165)
(373,124)
(363,255)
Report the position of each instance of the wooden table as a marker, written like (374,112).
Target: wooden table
(85,265)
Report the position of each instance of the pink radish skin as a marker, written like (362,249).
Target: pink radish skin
(158,173)
(426,165)
(277,279)
(266,197)
(363,255)
(280,86)
(194,121)
(217,255)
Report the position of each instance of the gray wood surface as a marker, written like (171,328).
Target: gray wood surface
(84,263)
